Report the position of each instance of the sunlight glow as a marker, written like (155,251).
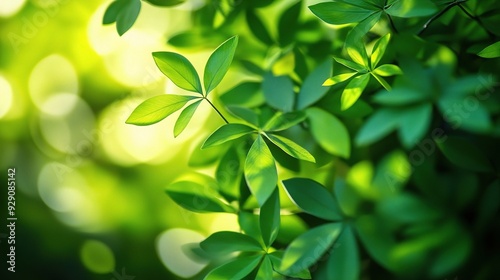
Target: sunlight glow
(5,96)
(9,8)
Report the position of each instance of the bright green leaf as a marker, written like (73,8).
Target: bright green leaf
(227,133)
(276,258)
(412,8)
(265,269)
(218,63)
(340,13)
(491,51)
(353,91)
(388,70)
(338,79)
(197,198)
(379,50)
(225,242)
(344,259)
(312,198)
(312,89)
(260,171)
(185,117)
(157,108)
(278,91)
(281,121)
(329,132)
(270,218)
(349,64)
(179,70)
(236,269)
(290,147)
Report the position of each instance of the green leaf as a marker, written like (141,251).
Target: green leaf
(354,45)
(265,269)
(113,11)
(312,198)
(338,79)
(179,70)
(329,132)
(290,147)
(349,64)
(381,81)
(127,16)
(258,28)
(245,114)
(197,198)
(312,89)
(165,3)
(353,91)
(225,242)
(218,63)
(287,24)
(278,91)
(185,117)
(309,247)
(381,123)
(344,259)
(228,174)
(414,123)
(247,94)
(388,70)
(463,153)
(399,97)
(340,13)
(412,8)
(491,51)
(227,133)
(276,258)
(270,218)
(237,269)
(379,50)
(281,121)
(260,171)
(157,108)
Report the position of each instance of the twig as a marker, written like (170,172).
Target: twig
(215,108)
(477,19)
(438,15)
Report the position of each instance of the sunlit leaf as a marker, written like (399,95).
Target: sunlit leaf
(265,269)
(349,64)
(225,242)
(491,51)
(227,133)
(312,89)
(312,198)
(340,13)
(197,198)
(236,269)
(353,91)
(379,50)
(218,63)
(270,218)
(388,70)
(344,260)
(185,117)
(260,171)
(157,108)
(338,79)
(179,70)
(281,121)
(309,247)
(355,48)
(329,132)
(290,147)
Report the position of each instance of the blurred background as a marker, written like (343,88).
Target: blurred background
(90,198)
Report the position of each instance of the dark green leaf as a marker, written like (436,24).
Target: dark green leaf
(414,123)
(270,218)
(179,70)
(276,258)
(113,11)
(340,13)
(312,198)
(228,174)
(463,153)
(412,8)
(127,16)
(157,108)
(197,198)
(309,247)
(344,259)
(226,133)
(225,242)
(258,28)
(165,3)
(281,121)
(245,114)
(247,94)
(377,126)
(218,63)
(278,91)
(288,23)
(400,97)
(329,132)
(260,171)
(290,147)
(185,117)
(237,269)
(312,89)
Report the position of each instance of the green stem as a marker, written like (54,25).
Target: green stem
(438,15)
(215,108)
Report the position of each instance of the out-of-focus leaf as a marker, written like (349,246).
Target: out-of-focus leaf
(179,70)
(236,269)
(247,94)
(312,89)
(414,123)
(377,126)
(463,153)
(157,108)
(400,97)
(165,3)
(228,174)
(344,258)
(288,24)
(225,242)
(278,91)
(197,198)
(245,114)
(258,28)
(218,63)
(185,117)
(226,133)
(265,269)
(270,218)
(329,132)
(281,121)
(112,11)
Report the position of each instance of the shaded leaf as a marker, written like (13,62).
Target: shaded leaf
(127,16)
(236,269)
(344,258)
(165,3)
(290,147)
(247,94)
(258,28)
(270,218)
(414,123)
(381,123)
(278,91)
(312,89)
(412,8)
(225,242)
(276,258)
(340,13)
(288,24)
(491,51)
(197,198)
(281,121)
(463,153)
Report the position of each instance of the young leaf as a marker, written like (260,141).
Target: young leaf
(278,91)
(329,132)
(157,108)
(338,79)
(225,242)
(340,13)
(265,269)
(353,91)
(349,64)
(287,25)
(379,49)
(312,198)
(227,133)
(281,121)
(185,117)
(290,147)
(387,70)
(270,218)
(491,51)
(236,269)
(179,70)
(463,153)
(381,81)
(312,89)
(218,63)
(197,198)
(228,174)
(260,170)
(257,27)
(356,49)
(344,259)
(309,247)
(127,16)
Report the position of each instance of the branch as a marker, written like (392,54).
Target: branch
(438,15)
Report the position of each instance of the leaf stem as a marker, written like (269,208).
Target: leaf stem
(215,108)
(438,15)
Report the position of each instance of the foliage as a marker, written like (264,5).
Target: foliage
(421,211)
